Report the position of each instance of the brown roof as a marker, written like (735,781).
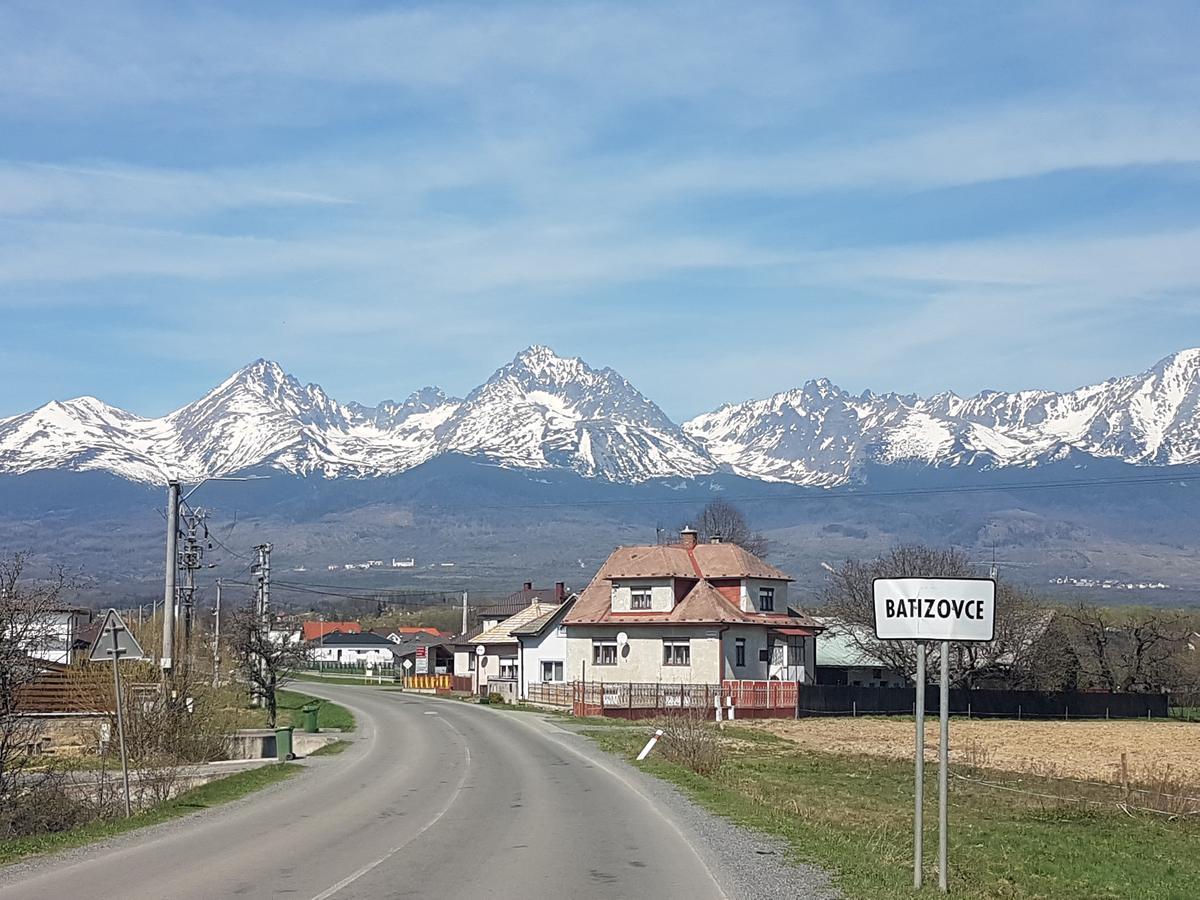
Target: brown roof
(674,561)
(502,632)
(731,561)
(702,604)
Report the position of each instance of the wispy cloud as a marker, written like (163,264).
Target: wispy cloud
(487,173)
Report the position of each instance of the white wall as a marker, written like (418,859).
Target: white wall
(641,660)
(750,588)
(51,637)
(662,594)
(352,655)
(551,646)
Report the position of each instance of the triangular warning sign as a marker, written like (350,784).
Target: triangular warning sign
(126,645)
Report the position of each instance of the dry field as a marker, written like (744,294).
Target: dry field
(1083,750)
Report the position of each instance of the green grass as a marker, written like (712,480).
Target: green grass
(212,794)
(853,817)
(356,680)
(330,715)
(331,749)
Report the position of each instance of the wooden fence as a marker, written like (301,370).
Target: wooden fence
(632,700)
(59,694)
(438,683)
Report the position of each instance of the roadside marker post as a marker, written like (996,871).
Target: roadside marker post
(649,745)
(120,645)
(944,610)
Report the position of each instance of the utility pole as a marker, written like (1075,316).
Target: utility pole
(263,601)
(217,638)
(464,621)
(168,637)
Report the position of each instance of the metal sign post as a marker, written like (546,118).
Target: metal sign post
(945,610)
(121,645)
(944,769)
(919,806)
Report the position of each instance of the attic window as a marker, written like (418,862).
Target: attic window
(639,598)
(766,599)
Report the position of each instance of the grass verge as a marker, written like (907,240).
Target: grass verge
(330,715)
(331,749)
(212,794)
(853,817)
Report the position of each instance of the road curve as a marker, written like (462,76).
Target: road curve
(435,798)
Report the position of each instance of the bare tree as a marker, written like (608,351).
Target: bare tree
(266,665)
(721,520)
(1020,620)
(27,628)
(1129,649)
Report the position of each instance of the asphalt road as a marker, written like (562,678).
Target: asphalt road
(435,799)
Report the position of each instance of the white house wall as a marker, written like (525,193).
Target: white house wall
(641,660)
(750,588)
(662,594)
(550,646)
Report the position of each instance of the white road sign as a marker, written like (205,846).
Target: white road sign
(126,644)
(935,609)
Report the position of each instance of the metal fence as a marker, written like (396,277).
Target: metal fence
(549,694)
(843,700)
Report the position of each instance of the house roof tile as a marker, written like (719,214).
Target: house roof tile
(502,632)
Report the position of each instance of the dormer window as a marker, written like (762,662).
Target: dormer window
(639,598)
(766,599)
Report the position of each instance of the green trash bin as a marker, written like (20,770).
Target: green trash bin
(283,743)
(310,717)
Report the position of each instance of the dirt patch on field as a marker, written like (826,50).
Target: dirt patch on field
(1086,750)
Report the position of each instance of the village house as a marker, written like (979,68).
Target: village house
(542,653)
(311,631)
(841,659)
(353,649)
(58,635)
(688,613)
(492,614)
(498,665)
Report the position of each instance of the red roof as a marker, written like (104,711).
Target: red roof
(701,604)
(407,629)
(313,630)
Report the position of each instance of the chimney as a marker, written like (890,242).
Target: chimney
(688,537)
(715,539)
(560,591)
(529,586)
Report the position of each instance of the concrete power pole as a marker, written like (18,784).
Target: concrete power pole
(464,621)
(216,662)
(263,601)
(168,637)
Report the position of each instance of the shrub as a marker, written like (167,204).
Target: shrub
(495,699)
(691,740)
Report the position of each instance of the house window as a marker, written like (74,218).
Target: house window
(604,653)
(877,673)
(764,654)
(508,668)
(766,599)
(677,653)
(552,670)
(640,598)
(739,652)
(471,663)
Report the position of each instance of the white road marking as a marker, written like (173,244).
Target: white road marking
(354,876)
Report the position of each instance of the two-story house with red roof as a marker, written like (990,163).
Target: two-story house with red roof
(688,613)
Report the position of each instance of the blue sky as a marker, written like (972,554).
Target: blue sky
(718,200)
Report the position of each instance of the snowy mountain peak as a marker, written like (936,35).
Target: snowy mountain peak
(543,411)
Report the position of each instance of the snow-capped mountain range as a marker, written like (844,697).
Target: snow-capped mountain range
(542,411)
